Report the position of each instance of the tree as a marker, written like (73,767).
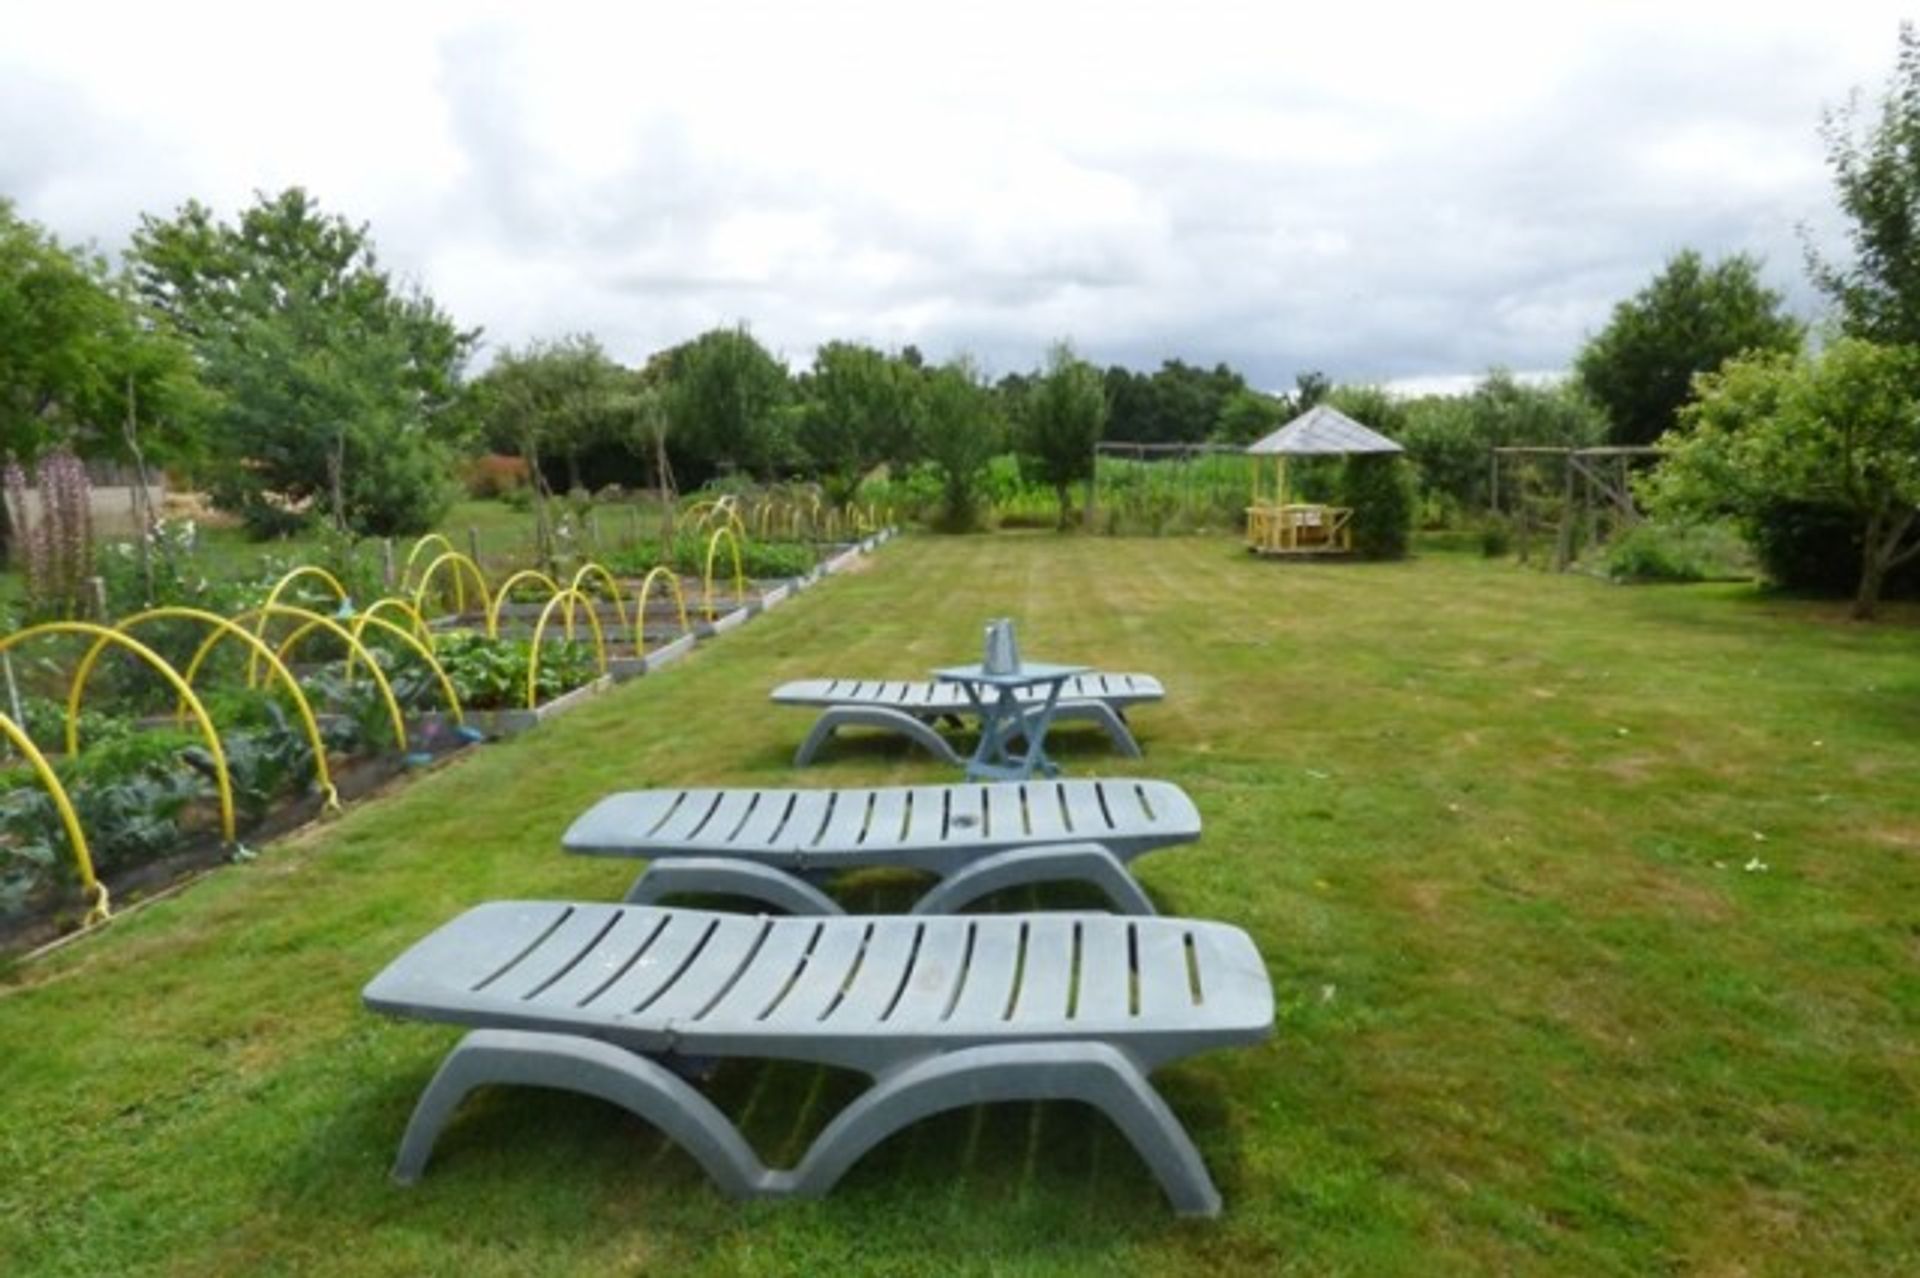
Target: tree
(859,410)
(724,400)
(553,400)
(76,354)
(1448,437)
(1842,430)
(961,431)
(80,366)
(1247,415)
(335,383)
(1378,489)
(1876,171)
(1064,415)
(1691,319)
(1309,388)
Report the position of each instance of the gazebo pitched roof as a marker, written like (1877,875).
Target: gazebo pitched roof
(1322,431)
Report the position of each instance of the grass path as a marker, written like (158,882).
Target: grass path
(1491,830)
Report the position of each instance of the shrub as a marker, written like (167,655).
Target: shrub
(1660,551)
(1379,489)
(495,475)
(1809,547)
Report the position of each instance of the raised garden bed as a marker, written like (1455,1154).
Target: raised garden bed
(512,721)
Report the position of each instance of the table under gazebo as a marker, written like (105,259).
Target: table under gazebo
(1278,525)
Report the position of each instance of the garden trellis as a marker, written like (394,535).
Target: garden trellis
(1595,492)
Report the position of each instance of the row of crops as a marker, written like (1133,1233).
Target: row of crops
(143,749)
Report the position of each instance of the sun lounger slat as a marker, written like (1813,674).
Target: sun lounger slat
(1106,973)
(1163,973)
(774,970)
(1006,819)
(652,971)
(987,985)
(693,812)
(824,978)
(1046,977)
(733,947)
(877,986)
(1084,812)
(1045,819)
(611,956)
(927,826)
(936,973)
(558,953)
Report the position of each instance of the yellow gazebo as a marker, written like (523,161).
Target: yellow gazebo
(1277,526)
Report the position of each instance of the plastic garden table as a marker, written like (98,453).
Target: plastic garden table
(1006,715)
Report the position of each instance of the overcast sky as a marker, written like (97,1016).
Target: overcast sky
(1376,191)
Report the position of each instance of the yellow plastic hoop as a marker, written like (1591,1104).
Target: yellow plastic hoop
(101,910)
(273,597)
(607,579)
(407,610)
(425,652)
(640,609)
(458,562)
(221,626)
(430,539)
(539,629)
(223,781)
(506,588)
(315,620)
(739,576)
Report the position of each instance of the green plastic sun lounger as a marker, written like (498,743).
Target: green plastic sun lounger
(774,846)
(941,1013)
(913,708)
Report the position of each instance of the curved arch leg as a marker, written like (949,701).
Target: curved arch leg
(1088,863)
(836,717)
(592,1068)
(723,877)
(1096,1074)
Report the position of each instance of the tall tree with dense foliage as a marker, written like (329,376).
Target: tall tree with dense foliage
(1876,173)
(76,357)
(334,381)
(1062,419)
(80,367)
(553,400)
(859,409)
(1248,414)
(725,399)
(1839,430)
(1448,437)
(1691,319)
(961,430)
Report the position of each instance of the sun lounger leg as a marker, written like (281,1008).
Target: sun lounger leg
(1096,1074)
(1104,717)
(724,877)
(836,717)
(1067,862)
(593,1068)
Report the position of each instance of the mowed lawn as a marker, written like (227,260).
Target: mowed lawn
(1593,916)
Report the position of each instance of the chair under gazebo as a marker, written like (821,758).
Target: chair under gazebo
(1277,525)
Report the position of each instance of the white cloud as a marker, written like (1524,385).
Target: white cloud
(1373,190)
